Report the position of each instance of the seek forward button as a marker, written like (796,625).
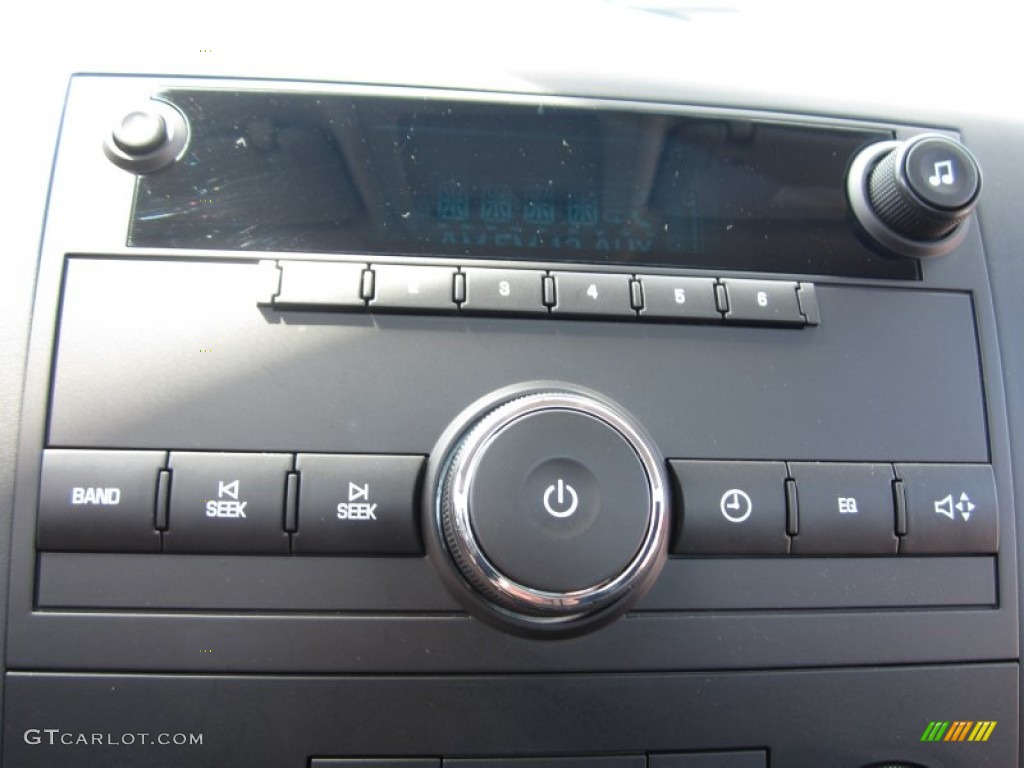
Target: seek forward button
(358,505)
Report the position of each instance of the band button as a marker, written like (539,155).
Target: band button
(99,500)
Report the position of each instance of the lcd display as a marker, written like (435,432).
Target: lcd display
(382,175)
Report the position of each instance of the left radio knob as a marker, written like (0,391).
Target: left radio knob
(147,138)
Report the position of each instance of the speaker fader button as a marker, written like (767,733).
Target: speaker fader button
(951,508)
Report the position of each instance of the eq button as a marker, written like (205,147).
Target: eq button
(845,509)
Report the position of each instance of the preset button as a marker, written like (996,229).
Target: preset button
(586,293)
(679,298)
(413,288)
(497,291)
(768,302)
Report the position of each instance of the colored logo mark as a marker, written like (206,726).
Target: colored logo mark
(959,730)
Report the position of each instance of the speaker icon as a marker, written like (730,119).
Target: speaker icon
(945,506)
(949,508)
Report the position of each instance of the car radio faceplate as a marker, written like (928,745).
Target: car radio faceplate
(235,450)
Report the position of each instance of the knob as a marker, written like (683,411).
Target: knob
(548,510)
(140,132)
(147,138)
(913,197)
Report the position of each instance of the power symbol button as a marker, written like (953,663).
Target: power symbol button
(565,502)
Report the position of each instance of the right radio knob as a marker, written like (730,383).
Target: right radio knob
(913,197)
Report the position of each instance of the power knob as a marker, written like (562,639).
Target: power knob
(548,510)
(914,197)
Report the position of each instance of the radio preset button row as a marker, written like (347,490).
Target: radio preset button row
(744,759)
(531,292)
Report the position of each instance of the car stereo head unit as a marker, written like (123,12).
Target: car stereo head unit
(333,389)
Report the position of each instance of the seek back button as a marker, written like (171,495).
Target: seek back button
(228,503)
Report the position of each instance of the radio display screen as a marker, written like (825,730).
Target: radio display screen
(467,179)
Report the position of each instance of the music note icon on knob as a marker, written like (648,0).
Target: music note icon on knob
(943,175)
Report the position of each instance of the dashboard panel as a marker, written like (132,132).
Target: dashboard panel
(486,423)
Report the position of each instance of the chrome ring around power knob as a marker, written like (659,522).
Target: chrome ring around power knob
(548,510)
